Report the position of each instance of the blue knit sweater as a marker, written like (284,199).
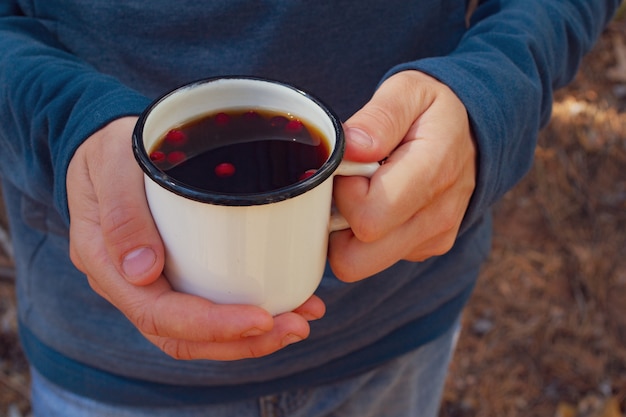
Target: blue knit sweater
(68,67)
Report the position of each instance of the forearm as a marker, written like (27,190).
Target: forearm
(50,102)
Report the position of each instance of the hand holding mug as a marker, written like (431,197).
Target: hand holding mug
(114,241)
(413,207)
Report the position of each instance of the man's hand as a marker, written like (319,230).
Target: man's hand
(114,241)
(412,208)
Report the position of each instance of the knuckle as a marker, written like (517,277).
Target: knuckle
(443,247)
(76,259)
(254,352)
(380,118)
(343,269)
(144,320)
(448,226)
(176,349)
(119,225)
(115,219)
(95,287)
(451,213)
(366,226)
(443,244)
(364,232)
(446,179)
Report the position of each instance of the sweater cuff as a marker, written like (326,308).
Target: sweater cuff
(116,103)
(505,144)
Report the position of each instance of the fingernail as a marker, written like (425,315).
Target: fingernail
(252,332)
(290,338)
(138,262)
(359,137)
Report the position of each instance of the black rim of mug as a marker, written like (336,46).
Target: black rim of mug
(204,196)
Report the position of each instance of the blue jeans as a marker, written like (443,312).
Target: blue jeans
(408,386)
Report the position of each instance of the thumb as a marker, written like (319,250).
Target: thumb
(129,233)
(379,127)
(132,241)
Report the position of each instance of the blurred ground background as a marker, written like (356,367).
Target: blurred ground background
(545,332)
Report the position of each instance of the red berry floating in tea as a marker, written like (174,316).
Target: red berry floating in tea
(307,174)
(222,119)
(176,157)
(225,170)
(157,156)
(251,116)
(176,137)
(279,121)
(294,126)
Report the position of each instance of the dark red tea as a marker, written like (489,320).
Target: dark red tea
(241,151)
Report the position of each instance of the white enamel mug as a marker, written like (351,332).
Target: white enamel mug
(266,249)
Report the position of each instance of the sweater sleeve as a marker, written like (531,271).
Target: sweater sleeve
(50,102)
(505,70)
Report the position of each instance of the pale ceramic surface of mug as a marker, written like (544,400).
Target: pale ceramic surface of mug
(267,249)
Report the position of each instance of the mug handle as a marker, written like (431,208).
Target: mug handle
(350,168)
